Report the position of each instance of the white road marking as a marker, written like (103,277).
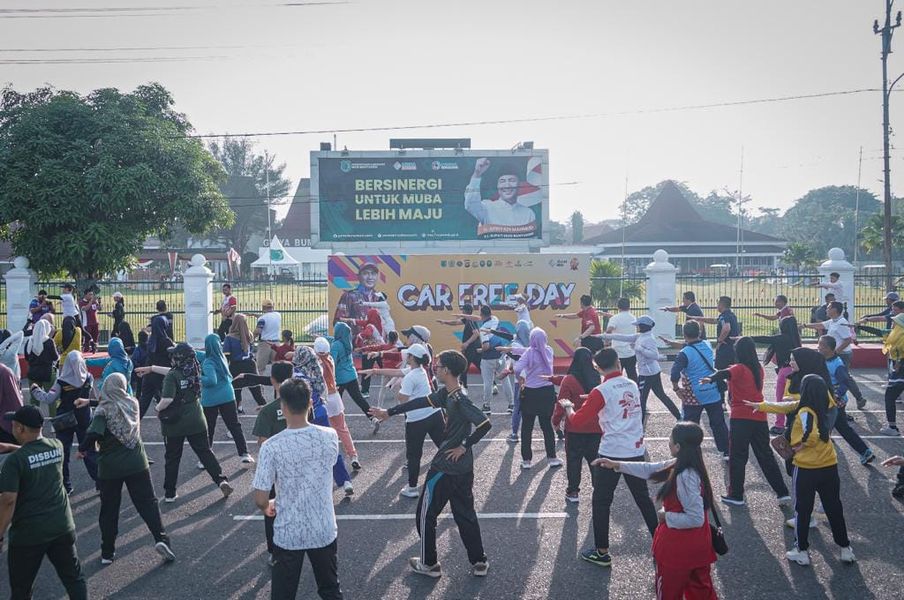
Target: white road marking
(407,516)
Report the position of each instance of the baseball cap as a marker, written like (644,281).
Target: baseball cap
(28,415)
(893,296)
(369,266)
(418,330)
(645,320)
(321,346)
(415,350)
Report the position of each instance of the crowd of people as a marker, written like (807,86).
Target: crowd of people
(599,407)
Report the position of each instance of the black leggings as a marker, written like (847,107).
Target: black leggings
(537,403)
(355,393)
(892,391)
(231,420)
(653,383)
(245,366)
(415,434)
(141,491)
(368,363)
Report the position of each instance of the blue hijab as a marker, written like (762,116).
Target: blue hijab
(119,363)
(213,353)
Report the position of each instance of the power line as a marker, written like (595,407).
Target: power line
(104,60)
(143,11)
(690,107)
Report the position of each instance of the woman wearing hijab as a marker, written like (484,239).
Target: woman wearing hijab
(118,314)
(73,383)
(237,348)
(538,395)
(779,353)
(41,355)
(118,362)
(580,444)
(10,401)
(218,397)
(159,342)
(115,432)
(127,337)
(514,346)
(9,351)
(346,376)
(68,338)
(184,421)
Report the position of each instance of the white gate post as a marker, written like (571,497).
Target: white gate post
(838,264)
(20,282)
(198,301)
(661,292)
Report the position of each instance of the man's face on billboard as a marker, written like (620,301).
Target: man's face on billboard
(507,186)
(368,278)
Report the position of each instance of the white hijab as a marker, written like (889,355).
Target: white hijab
(74,371)
(9,352)
(40,333)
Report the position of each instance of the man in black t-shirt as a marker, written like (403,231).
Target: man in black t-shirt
(690,308)
(451,475)
(470,339)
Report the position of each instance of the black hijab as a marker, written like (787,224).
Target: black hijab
(68,331)
(582,369)
(809,362)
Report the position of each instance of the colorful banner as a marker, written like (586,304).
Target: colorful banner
(419,289)
(421,196)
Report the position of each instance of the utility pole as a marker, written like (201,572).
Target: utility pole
(740,241)
(857,208)
(886,32)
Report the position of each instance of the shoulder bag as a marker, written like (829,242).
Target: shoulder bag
(718,536)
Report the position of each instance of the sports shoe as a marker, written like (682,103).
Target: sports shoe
(170,499)
(526,464)
(890,431)
(867,457)
(898,490)
(801,557)
(593,556)
(495,390)
(553,463)
(511,408)
(486,408)
(365,395)
(572,497)
(792,522)
(240,410)
(228,434)
(349,488)
(512,438)
(560,435)
(200,466)
(479,569)
(725,457)
(734,501)
(165,551)
(247,459)
(377,424)
(861,403)
(226,488)
(776,430)
(784,500)
(356,464)
(150,461)
(421,569)
(106,561)
(410,492)
(847,555)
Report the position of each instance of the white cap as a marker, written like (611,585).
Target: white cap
(117,294)
(321,346)
(416,350)
(419,331)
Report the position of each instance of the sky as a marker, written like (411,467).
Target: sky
(240,66)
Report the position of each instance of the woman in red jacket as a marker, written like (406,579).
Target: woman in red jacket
(580,444)
(682,544)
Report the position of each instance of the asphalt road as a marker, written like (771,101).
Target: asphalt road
(532,536)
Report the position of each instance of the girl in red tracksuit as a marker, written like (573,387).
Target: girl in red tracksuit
(682,544)
(580,444)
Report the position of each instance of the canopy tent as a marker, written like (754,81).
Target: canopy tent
(276,259)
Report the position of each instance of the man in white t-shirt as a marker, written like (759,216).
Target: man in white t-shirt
(623,323)
(839,328)
(268,330)
(837,287)
(305,522)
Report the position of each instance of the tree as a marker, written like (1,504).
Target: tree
(557,234)
(246,188)
(85,179)
(577,227)
(826,217)
(799,254)
(768,221)
(872,235)
(608,284)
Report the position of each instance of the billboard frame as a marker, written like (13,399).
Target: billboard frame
(427,246)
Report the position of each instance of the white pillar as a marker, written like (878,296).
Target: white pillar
(838,264)
(661,292)
(20,282)
(198,301)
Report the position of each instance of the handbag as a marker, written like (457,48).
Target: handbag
(64,422)
(685,392)
(782,447)
(718,536)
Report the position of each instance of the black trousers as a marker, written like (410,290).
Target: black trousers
(268,525)
(594,344)
(354,391)
(653,383)
(66,437)
(200,445)
(892,392)
(368,363)
(693,412)
(141,491)
(245,366)
(473,359)
(604,483)
(415,434)
(853,388)
(579,447)
(223,328)
(744,435)
(537,403)
(25,561)
(843,427)
(457,490)
(151,388)
(629,364)
(287,572)
(825,482)
(231,418)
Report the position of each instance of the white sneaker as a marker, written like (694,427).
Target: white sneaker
(792,522)
(410,492)
(226,488)
(349,488)
(165,551)
(229,434)
(553,463)
(847,555)
(890,431)
(200,466)
(170,499)
(801,557)
(526,464)
(247,459)
(784,501)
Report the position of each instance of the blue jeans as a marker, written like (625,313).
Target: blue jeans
(716,421)
(516,409)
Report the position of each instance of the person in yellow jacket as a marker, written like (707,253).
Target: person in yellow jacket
(815,465)
(68,338)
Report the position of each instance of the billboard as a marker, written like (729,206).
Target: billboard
(430,196)
(420,289)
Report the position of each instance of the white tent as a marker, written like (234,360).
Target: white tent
(276,259)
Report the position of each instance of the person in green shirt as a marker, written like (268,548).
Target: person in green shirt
(184,420)
(35,507)
(116,431)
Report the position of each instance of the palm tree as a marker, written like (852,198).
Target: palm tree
(799,254)
(873,233)
(608,284)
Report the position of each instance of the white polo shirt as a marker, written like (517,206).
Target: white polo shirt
(839,330)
